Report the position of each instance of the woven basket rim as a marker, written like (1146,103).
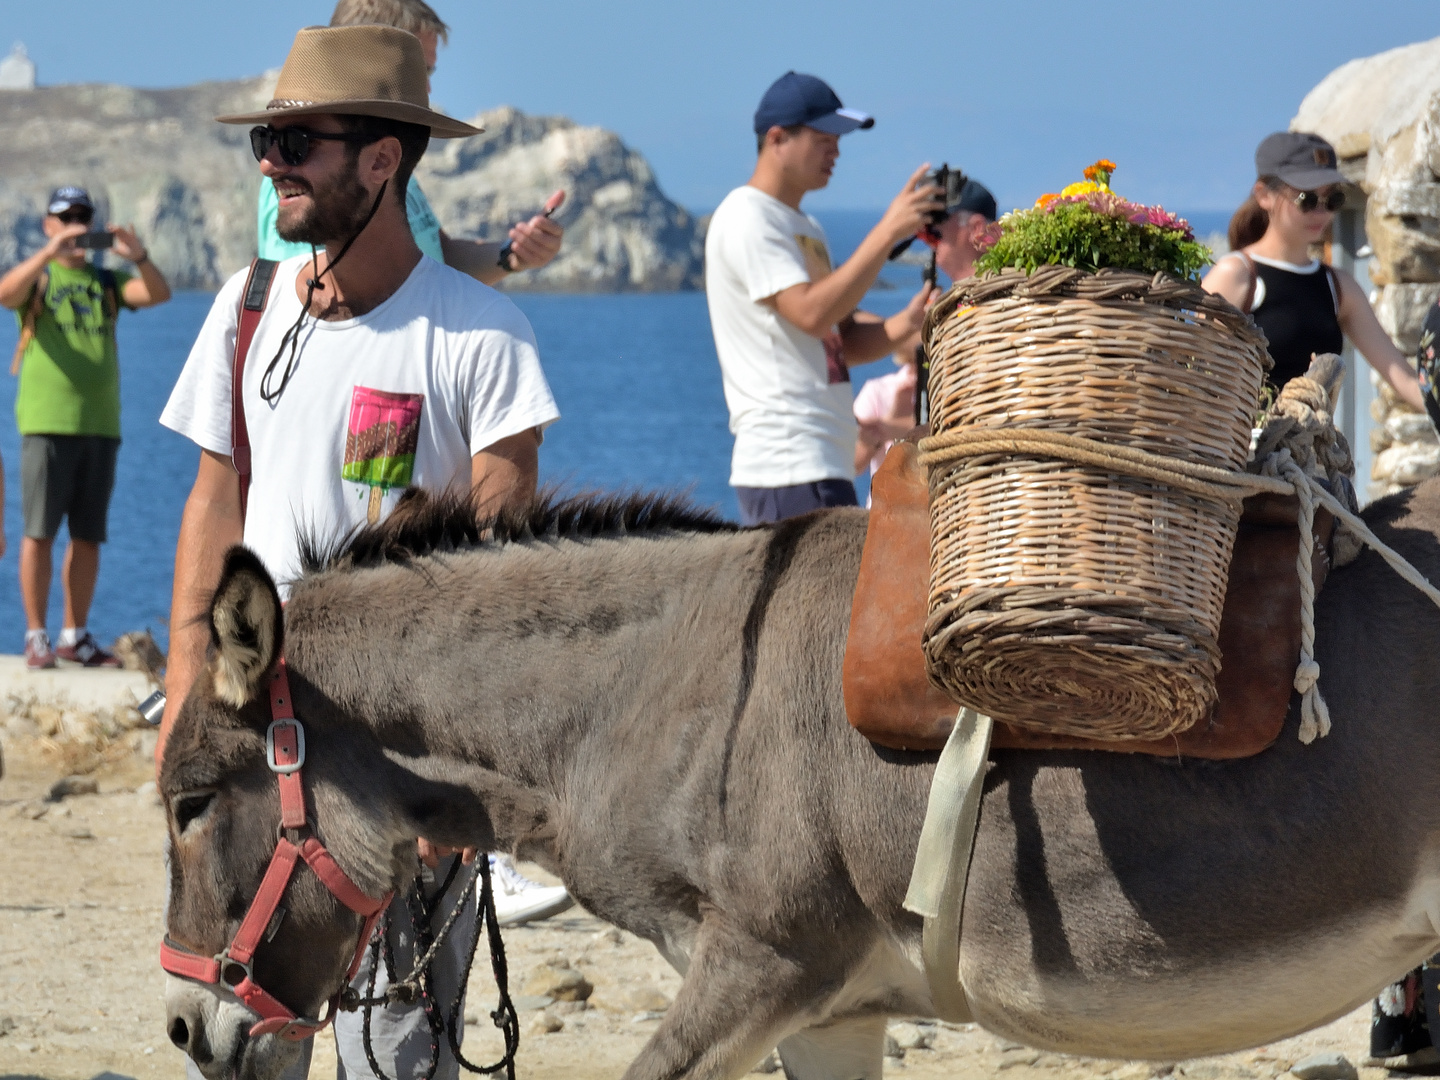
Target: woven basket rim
(1106,284)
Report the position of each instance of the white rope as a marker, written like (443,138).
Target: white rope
(1314,713)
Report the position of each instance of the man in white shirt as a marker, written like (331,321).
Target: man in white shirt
(372,369)
(786,326)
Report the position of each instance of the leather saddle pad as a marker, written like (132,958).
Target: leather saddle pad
(891,701)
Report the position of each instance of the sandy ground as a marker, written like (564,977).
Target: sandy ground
(80,984)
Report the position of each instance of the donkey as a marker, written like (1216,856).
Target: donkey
(647,702)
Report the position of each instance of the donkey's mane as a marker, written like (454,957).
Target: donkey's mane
(424,524)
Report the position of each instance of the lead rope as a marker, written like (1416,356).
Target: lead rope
(418,985)
(503,1015)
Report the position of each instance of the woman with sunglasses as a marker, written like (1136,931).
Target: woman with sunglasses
(1304,305)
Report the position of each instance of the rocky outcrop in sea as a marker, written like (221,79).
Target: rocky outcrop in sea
(158,159)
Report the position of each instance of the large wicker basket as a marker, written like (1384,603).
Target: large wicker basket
(1077,598)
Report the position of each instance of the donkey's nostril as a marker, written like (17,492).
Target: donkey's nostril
(180,1033)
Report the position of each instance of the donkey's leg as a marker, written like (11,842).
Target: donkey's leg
(852,1049)
(738,998)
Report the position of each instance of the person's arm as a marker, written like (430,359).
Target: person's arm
(816,306)
(1228,278)
(870,338)
(150,288)
(533,244)
(506,472)
(17,282)
(1358,321)
(210,526)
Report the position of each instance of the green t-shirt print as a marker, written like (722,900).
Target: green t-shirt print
(70,374)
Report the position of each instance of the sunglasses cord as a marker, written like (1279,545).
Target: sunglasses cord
(292,335)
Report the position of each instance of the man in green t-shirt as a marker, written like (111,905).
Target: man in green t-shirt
(68,411)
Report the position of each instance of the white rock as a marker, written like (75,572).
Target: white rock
(1401,310)
(1410,427)
(1372,98)
(893,1049)
(1407,464)
(913,1036)
(1327,1066)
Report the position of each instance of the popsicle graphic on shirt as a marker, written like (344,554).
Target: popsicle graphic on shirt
(380,442)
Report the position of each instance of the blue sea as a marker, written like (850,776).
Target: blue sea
(635,377)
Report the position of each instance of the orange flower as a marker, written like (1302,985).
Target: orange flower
(1046,200)
(1100,172)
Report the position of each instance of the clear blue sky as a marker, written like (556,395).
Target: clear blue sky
(1022,94)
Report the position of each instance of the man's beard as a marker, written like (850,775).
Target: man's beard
(337,212)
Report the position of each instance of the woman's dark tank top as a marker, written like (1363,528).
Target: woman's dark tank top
(1297,313)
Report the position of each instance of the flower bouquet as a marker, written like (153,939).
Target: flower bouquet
(1088,226)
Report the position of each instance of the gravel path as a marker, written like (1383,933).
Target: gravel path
(80,984)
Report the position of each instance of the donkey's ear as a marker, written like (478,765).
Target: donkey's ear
(245,627)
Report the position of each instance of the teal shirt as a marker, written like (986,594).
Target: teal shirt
(424,225)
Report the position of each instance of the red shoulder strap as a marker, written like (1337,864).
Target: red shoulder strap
(252,306)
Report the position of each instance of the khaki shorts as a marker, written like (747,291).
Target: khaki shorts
(67,476)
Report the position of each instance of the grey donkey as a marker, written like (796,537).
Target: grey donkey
(647,702)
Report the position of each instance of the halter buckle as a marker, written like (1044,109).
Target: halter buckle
(285,746)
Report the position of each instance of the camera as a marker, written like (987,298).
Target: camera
(95,241)
(951,182)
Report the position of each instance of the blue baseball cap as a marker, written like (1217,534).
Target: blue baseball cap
(67,198)
(804,99)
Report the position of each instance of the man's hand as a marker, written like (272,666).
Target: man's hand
(909,321)
(63,242)
(431,854)
(535,242)
(127,244)
(908,212)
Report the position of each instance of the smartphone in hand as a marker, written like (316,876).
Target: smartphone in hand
(95,241)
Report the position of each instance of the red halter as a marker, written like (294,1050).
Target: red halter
(285,752)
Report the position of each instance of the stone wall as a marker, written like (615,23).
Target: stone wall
(1382,114)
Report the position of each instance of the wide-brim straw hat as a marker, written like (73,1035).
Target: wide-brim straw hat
(356,71)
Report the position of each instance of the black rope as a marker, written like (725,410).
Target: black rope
(422,910)
(292,335)
(503,1015)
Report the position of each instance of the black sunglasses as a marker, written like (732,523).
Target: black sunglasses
(80,216)
(294,142)
(1309,201)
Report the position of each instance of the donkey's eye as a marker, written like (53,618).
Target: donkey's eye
(189,806)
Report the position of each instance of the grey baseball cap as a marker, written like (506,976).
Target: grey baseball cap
(1302,160)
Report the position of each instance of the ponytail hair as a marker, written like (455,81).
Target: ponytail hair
(1248,224)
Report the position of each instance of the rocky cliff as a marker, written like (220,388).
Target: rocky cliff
(158,159)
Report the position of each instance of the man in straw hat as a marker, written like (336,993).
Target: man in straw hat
(530,245)
(371,369)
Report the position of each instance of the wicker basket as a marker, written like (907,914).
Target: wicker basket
(1074,598)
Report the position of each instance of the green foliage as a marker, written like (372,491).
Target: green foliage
(1076,234)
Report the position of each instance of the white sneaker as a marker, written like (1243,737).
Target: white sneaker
(520,900)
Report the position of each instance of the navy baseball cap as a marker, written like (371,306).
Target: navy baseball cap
(976,198)
(67,198)
(804,99)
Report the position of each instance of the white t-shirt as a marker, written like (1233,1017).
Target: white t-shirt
(789,401)
(402,395)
